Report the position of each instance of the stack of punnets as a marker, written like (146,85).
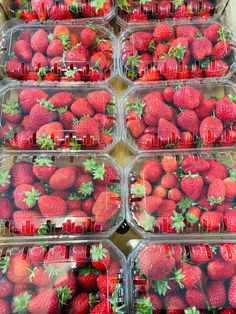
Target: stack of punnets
(62,195)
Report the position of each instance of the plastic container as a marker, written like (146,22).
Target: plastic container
(203,280)
(58,117)
(147,57)
(182,193)
(148,112)
(53,277)
(78,11)
(60,195)
(43,58)
(160,10)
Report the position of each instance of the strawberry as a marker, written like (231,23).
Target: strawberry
(27,15)
(63,178)
(43,168)
(21,173)
(60,12)
(216,170)
(43,276)
(98,61)
(88,36)
(79,253)
(168,68)
(42,113)
(195,297)
(174,304)
(141,40)
(188,120)
(194,164)
(87,279)
(26,222)
(137,16)
(103,307)
(81,107)
(230,185)
(195,71)
(6,208)
(226,109)
(221,50)
(167,132)
(103,121)
(175,195)
(30,97)
(86,130)
(188,276)
(6,287)
(52,206)
(201,48)
(55,48)
(66,280)
(169,163)
(231,294)
(150,203)
(39,41)
(229,220)
(151,74)
(15,69)
(220,270)
(41,7)
(163,32)
(216,191)
(19,268)
(212,32)
(25,196)
(187,31)
(79,304)
(216,68)
(99,100)
(66,118)
(169,181)
(156,257)
(112,204)
(192,186)
(155,110)
(50,135)
(22,50)
(201,253)
(36,255)
(75,58)
(151,171)
(186,97)
(210,129)
(141,188)
(211,221)
(167,208)
(38,61)
(216,294)
(205,108)
(45,302)
(100,257)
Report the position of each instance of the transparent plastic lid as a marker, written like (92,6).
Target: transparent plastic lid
(62,277)
(61,52)
(132,12)
(60,195)
(83,10)
(56,117)
(182,193)
(180,116)
(186,277)
(175,51)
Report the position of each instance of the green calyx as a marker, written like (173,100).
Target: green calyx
(51,270)
(124,4)
(45,142)
(114,300)
(232,98)
(191,310)
(74,144)
(47,104)
(50,37)
(75,7)
(4,264)
(98,252)
(133,61)
(42,72)
(161,286)
(177,52)
(98,172)
(177,2)
(4,178)
(115,188)
(70,73)
(148,221)
(215,200)
(204,63)
(179,277)
(74,197)
(10,132)
(88,270)
(62,110)
(138,190)
(31,197)
(223,34)
(43,161)
(86,188)
(137,107)
(151,45)
(144,306)
(111,108)
(98,4)
(21,303)
(65,40)
(178,222)
(11,108)
(108,132)
(192,219)
(64,295)
(90,164)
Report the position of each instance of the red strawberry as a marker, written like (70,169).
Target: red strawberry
(194,164)
(187,31)
(107,283)
(216,191)
(205,108)
(98,61)
(6,208)
(226,109)
(150,203)
(30,97)
(218,269)
(169,181)
(175,195)
(186,97)
(100,256)
(154,110)
(210,129)
(195,71)
(159,51)
(152,74)
(43,276)
(156,257)
(26,222)
(19,268)
(167,132)
(151,171)
(25,196)
(216,170)
(137,16)
(169,163)
(231,294)
(63,178)
(141,40)
(230,186)
(86,130)
(216,68)
(99,100)
(189,276)
(45,302)
(39,41)
(168,68)
(212,32)
(195,298)
(103,121)
(201,253)
(79,253)
(22,173)
(22,50)
(6,287)
(211,221)
(230,220)
(52,206)
(66,280)
(42,113)
(75,58)
(36,255)
(188,120)
(66,118)
(81,107)
(175,304)
(87,279)
(216,294)
(55,48)
(106,206)
(15,69)
(60,12)
(192,186)
(163,32)
(44,168)
(167,208)
(79,304)
(201,48)
(221,50)
(88,36)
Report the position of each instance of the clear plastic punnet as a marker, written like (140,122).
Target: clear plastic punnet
(82,11)
(63,277)
(181,116)
(175,51)
(57,52)
(189,276)
(58,117)
(60,195)
(133,12)
(182,193)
